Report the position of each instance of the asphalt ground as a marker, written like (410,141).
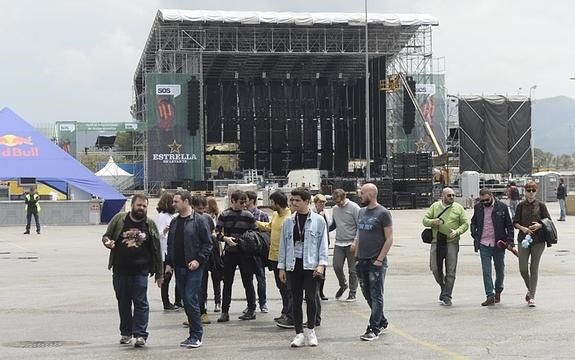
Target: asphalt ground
(57,302)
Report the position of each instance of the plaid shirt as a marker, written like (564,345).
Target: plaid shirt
(260,215)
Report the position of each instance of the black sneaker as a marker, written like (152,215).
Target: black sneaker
(279,317)
(369,336)
(340,292)
(384,324)
(446,301)
(178,304)
(224,317)
(27,232)
(350,298)
(250,315)
(169,307)
(285,323)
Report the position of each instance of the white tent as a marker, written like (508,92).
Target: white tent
(115,176)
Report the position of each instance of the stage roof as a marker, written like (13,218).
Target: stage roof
(228,45)
(305,19)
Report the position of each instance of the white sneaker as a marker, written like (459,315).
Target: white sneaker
(298,340)
(311,337)
(140,342)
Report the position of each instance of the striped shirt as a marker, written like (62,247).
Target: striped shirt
(235,223)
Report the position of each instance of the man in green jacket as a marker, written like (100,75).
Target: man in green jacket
(447,227)
(135,252)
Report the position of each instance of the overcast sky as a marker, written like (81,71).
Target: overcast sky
(74,60)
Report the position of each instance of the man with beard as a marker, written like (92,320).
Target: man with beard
(492,231)
(279,204)
(448,221)
(375,237)
(135,252)
(189,248)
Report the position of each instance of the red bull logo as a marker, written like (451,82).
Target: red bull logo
(13,140)
(13,145)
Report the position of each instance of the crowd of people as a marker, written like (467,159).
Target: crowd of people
(191,239)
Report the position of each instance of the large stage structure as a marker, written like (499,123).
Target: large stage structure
(288,88)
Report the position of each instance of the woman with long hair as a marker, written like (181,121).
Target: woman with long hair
(530,241)
(213,211)
(212,208)
(165,215)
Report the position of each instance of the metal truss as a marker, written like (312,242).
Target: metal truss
(416,60)
(282,51)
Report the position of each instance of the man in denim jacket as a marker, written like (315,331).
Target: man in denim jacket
(302,260)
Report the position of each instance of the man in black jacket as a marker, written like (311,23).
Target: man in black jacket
(561,196)
(189,248)
(490,224)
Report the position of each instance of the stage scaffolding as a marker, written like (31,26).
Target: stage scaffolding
(275,47)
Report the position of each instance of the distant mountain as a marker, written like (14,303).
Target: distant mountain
(553,123)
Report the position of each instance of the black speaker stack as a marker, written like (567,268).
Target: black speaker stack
(412,180)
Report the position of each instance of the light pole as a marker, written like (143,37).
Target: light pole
(531,89)
(367,127)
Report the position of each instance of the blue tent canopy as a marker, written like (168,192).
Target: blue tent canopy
(26,153)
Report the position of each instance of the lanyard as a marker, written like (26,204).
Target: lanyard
(299,229)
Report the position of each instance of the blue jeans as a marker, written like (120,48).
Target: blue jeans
(132,289)
(189,285)
(261,278)
(498,255)
(563,209)
(371,280)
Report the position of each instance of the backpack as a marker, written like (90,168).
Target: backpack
(216,263)
(254,243)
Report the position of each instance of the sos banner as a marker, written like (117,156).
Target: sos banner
(173,154)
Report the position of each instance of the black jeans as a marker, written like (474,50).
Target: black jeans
(285,292)
(216,284)
(166,287)
(231,261)
(301,280)
(29,215)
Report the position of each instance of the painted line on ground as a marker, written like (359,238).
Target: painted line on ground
(427,344)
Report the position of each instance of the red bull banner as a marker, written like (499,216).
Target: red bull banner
(173,154)
(12,145)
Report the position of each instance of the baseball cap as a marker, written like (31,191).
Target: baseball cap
(319,197)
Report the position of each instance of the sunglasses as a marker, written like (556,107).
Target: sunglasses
(530,190)
(485,200)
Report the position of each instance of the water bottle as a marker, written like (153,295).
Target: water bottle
(527,241)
